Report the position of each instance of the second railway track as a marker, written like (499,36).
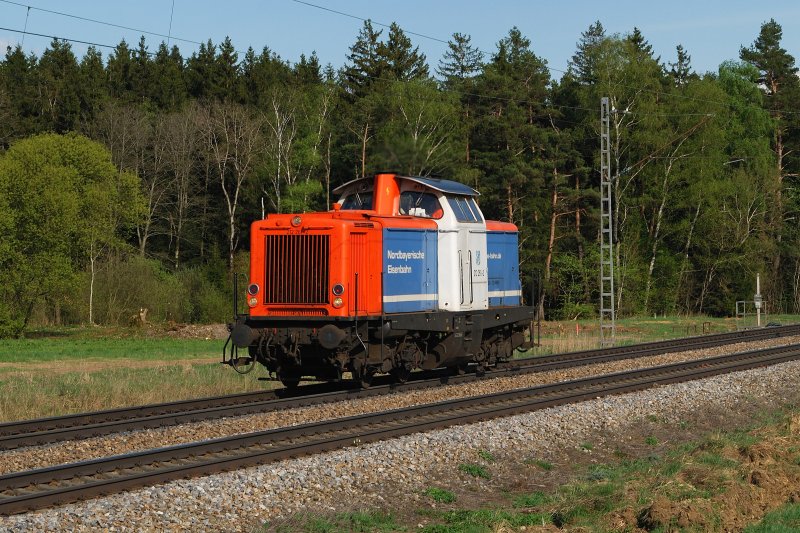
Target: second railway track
(24,491)
(86,425)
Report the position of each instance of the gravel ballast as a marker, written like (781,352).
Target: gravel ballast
(244,499)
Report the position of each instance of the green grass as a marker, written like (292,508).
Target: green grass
(356,522)
(483,520)
(474,470)
(486,456)
(65,370)
(534,499)
(572,335)
(786,519)
(440,495)
(49,394)
(651,441)
(76,346)
(544,465)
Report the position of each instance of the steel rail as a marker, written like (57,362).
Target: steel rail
(24,491)
(86,425)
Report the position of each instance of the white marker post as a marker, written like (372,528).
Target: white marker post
(757,300)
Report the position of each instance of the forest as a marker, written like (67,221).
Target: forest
(128,181)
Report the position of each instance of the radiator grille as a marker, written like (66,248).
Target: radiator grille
(359,265)
(292,311)
(296,269)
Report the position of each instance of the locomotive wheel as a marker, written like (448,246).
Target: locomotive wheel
(400,374)
(290,383)
(289,380)
(365,378)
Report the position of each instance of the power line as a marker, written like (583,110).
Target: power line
(90,43)
(368,20)
(171,14)
(103,22)
(112,24)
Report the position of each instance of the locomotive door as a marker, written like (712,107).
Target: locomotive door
(472,268)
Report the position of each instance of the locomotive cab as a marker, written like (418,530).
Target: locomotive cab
(403,273)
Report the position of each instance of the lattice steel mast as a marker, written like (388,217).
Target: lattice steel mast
(608,328)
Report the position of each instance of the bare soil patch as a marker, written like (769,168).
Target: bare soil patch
(196,331)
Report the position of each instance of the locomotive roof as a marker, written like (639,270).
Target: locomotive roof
(437,184)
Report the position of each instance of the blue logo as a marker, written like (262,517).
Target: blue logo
(478,257)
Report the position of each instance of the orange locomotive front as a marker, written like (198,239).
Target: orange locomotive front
(357,289)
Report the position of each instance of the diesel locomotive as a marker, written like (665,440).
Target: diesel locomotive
(402,273)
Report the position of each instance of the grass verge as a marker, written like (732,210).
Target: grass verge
(42,394)
(574,335)
(354,522)
(78,344)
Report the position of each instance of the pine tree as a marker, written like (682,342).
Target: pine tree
(583,65)
(141,72)
(93,91)
(365,66)
(460,61)
(459,68)
(639,42)
(260,74)
(308,71)
(227,72)
(402,62)
(59,87)
(200,70)
(119,71)
(20,76)
(681,70)
(168,90)
(510,127)
(779,75)
(767,55)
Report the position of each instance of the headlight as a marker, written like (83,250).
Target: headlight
(253,301)
(338,289)
(252,289)
(338,302)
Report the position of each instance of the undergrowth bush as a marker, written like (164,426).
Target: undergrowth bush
(124,285)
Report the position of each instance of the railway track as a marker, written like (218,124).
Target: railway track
(86,425)
(25,491)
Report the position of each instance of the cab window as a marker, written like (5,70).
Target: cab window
(420,204)
(475,211)
(462,209)
(357,201)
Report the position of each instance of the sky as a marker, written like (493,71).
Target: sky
(712,31)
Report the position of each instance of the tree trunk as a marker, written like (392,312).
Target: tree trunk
(685,262)
(91,285)
(466,115)
(796,287)
(654,249)
(364,139)
(578,237)
(777,213)
(509,203)
(553,218)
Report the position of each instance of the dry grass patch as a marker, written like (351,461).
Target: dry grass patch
(34,395)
